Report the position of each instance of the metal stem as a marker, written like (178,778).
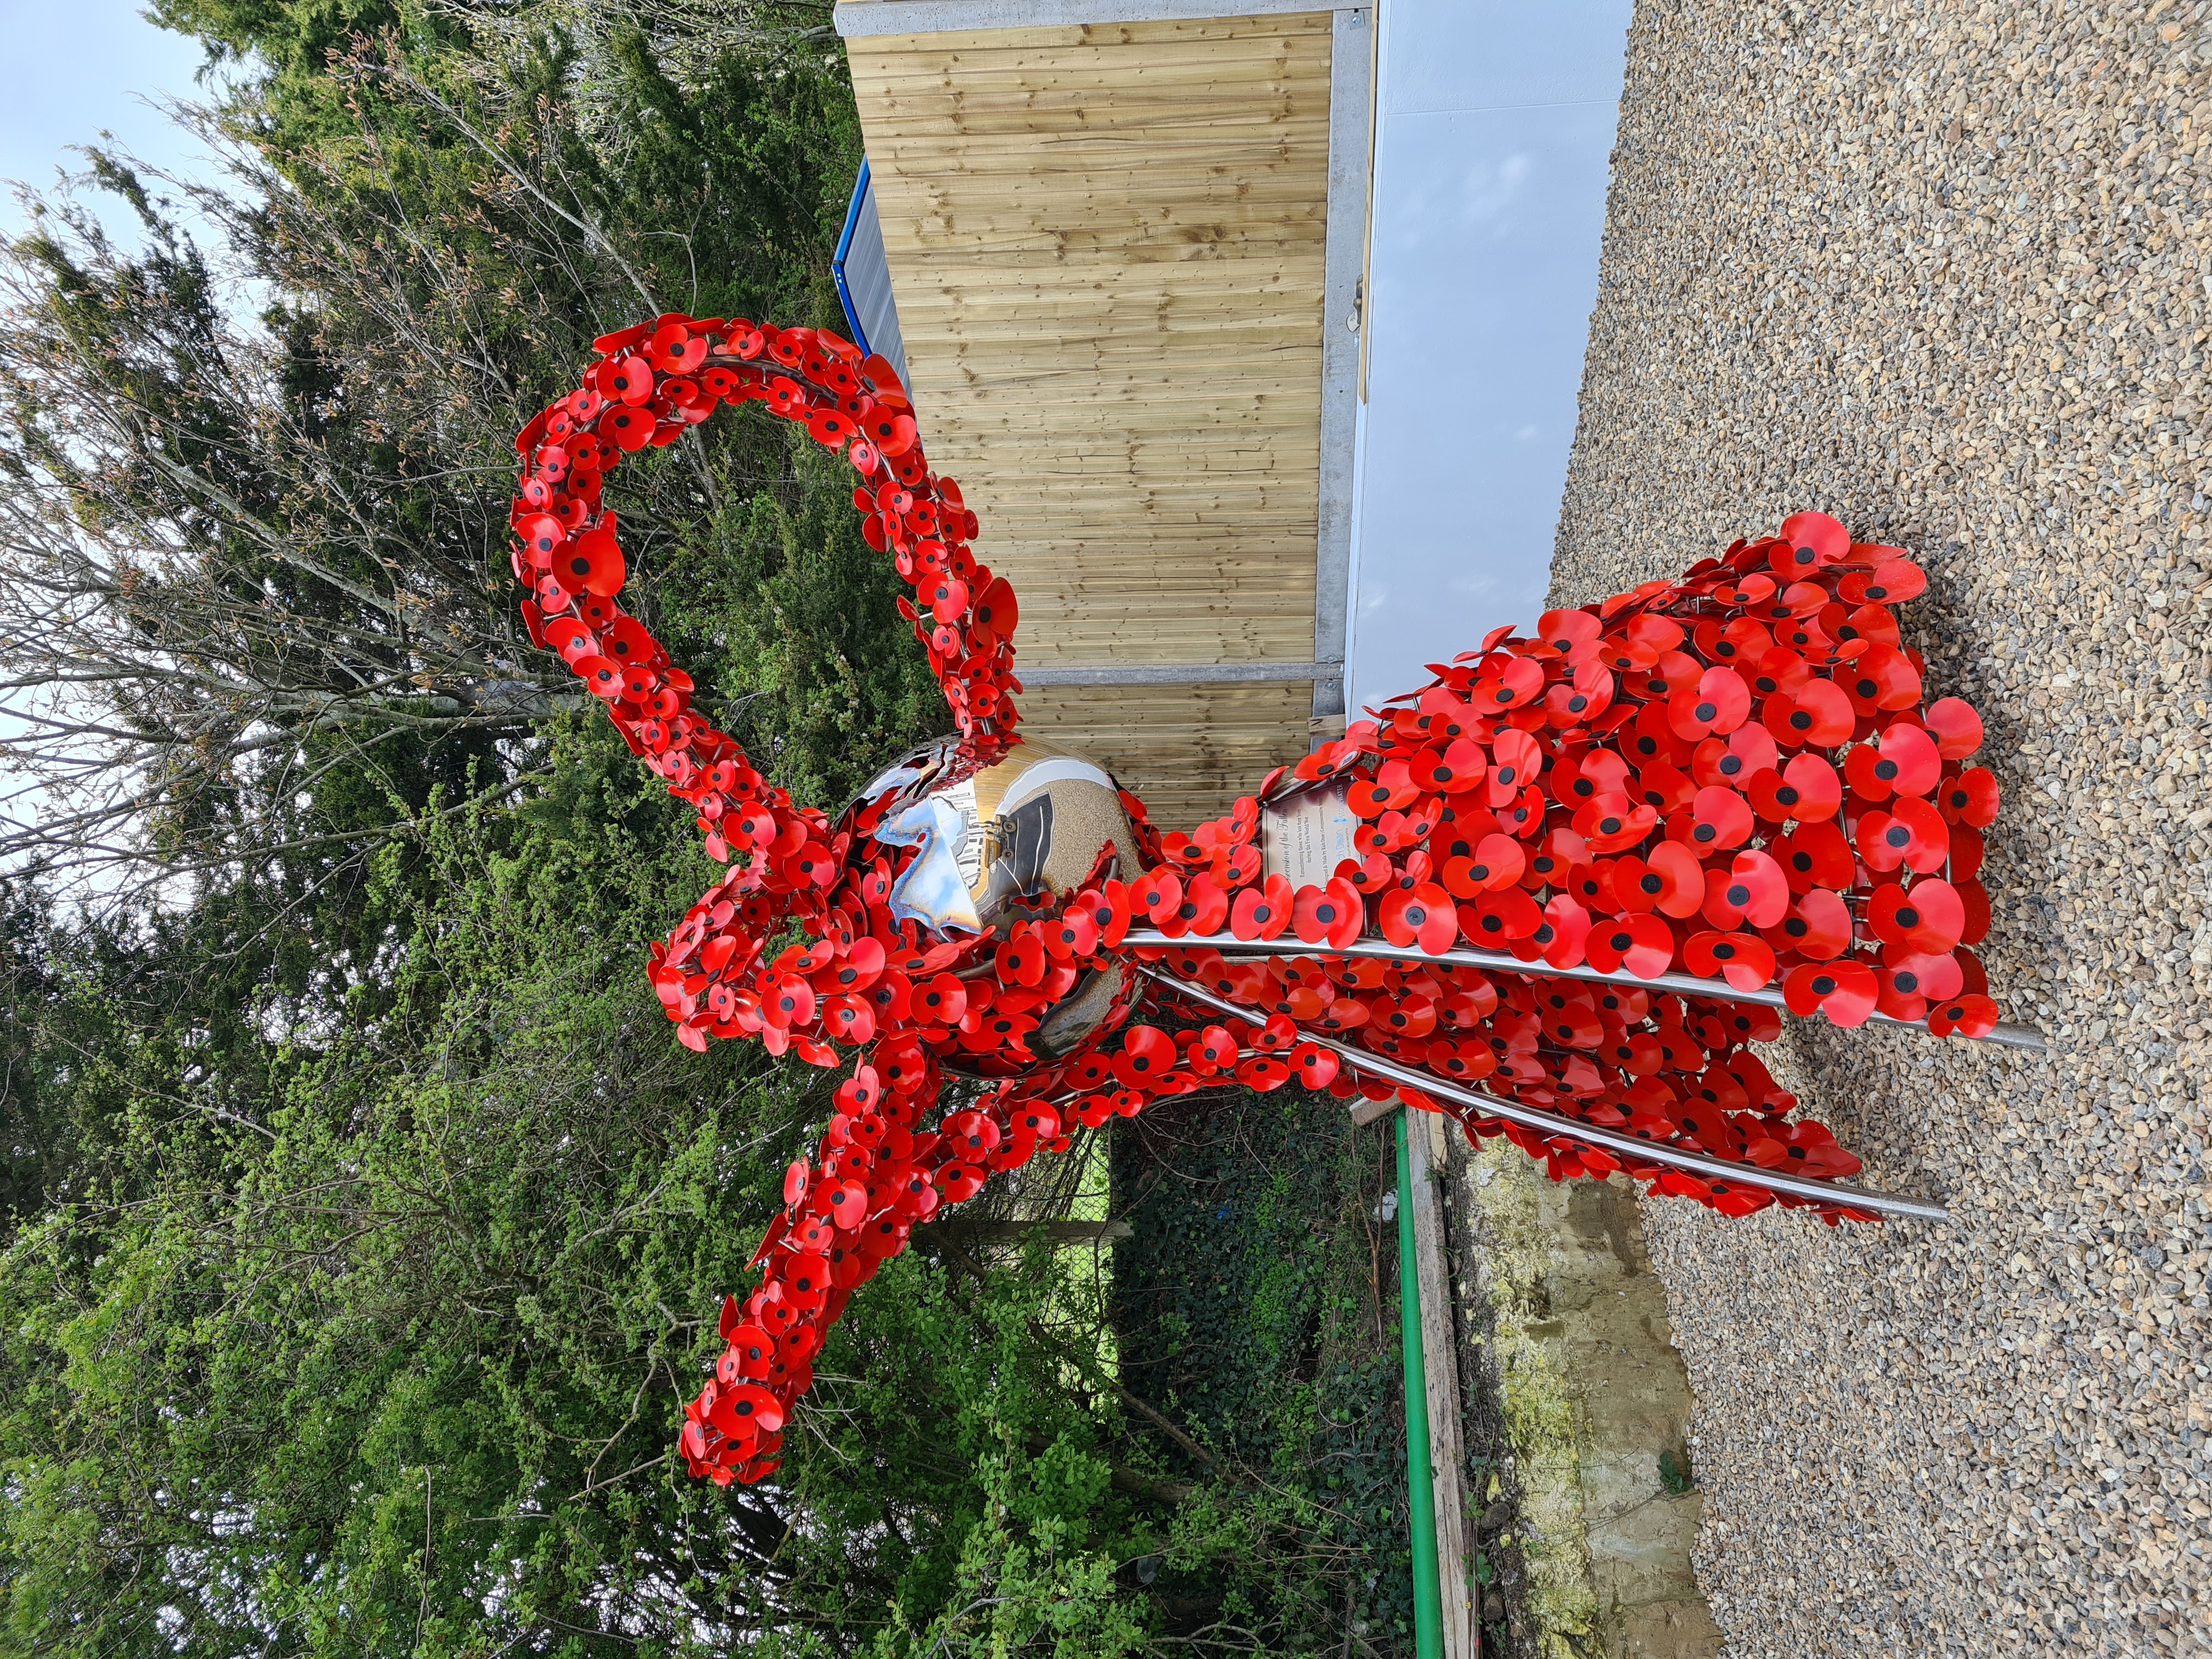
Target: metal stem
(2005,1036)
(1552,1123)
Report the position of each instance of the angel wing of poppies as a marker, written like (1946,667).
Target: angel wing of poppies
(1584,866)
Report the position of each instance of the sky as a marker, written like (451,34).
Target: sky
(82,66)
(1495,127)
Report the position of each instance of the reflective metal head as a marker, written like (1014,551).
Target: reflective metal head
(1036,823)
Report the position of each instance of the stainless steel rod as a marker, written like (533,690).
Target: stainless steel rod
(2005,1036)
(1551,1123)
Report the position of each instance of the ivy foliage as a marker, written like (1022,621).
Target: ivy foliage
(1250,1302)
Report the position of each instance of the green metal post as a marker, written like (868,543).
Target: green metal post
(1420,1479)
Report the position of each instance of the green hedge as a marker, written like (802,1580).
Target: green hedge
(1254,1302)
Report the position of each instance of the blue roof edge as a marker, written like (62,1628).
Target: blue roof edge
(844,246)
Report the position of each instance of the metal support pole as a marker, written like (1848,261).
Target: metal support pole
(1499,962)
(1420,1479)
(1551,1123)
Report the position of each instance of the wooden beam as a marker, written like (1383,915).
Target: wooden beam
(1178,673)
(1440,1352)
(859,19)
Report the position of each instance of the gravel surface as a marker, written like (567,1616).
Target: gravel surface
(1942,270)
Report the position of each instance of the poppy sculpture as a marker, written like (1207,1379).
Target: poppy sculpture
(1556,894)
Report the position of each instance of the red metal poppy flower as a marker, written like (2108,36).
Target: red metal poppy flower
(1498,860)
(1955,726)
(1819,713)
(1262,913)
(1901,760)
(603,677)
(1452,770)
(1815,855)
(1565,932)
(632,380)
(1424,915)
(1720,819)
(1202,910)
(1806,789)
(1915,837)
(1644,945)
(1610,822)
(1891,582)
(1817,926)
(1514,762)
(1716,705)
(1933,978)
(1808,542)
(1583,698)
(1158,894)
(631,428)
(1928,917)
(1967,1016)
(1745,960)
(1573,634)
(1970,799)
(1741,594)
(1333,914)
(1021,960)
(1754,890)
(1845,991)
(1882,678)
(1147,1055)
(1499,917)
